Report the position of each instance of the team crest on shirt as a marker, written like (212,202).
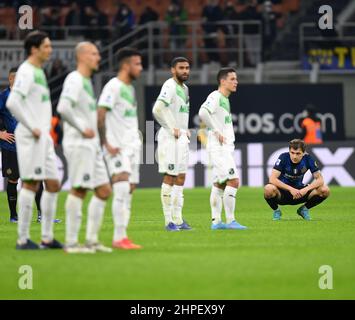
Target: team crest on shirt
(171,167)
(9,171)
(304,170)
(231,171)
(86,177)
(38,171)
(118,163)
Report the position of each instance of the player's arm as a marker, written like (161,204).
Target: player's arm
(16,105)
(65,108)
(316,183)
(101,125)
(205,116)
(165,118)
(274,179)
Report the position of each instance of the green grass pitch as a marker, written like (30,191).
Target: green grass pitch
(270,260)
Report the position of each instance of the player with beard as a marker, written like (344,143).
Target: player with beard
(120,138)
(171,110)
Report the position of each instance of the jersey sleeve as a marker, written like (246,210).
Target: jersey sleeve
(167,93)
(107,97)
(280,163)
(312,164)
(23,81)
(210,104)
(71,89)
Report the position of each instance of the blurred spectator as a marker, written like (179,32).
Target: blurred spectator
(96,21)
(74,16)
(311,126)
(124,22)
(230,14)
(148,15)
(269,28)
(57,68)
(51,19)
(211,14)
(251,32)
(175,15)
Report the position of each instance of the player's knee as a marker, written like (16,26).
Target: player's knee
(168,179)
(180,180)
(269,191)
(234,183)
(103,192)
(53,186)
(324,191)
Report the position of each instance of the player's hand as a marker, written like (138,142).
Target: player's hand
(188,134)
(8,137)
(112,150)
(296,194)
(88,133)
(176,133)
(303,191)
(36,133)
(220,138)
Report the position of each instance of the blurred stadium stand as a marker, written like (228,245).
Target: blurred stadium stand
(269,41)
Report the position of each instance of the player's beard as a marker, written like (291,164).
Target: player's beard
(182,78)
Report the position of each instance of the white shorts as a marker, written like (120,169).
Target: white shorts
(127,160)
(86,166)
(36,157)
(223,163)
(173,154)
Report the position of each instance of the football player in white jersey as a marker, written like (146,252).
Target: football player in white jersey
(77,106)
(171,110)
(120,138)
(216,114)
(30,103)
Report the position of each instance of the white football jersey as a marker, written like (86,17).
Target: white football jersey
(78,89)
(176,98)
(219,107)
(31,84)
(121,119)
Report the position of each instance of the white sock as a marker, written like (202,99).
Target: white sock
(119,210)
(166,200)
(48,210)
(229,203)
(178,203)
(25,203)
(95,214)
(73,207)
(216,202)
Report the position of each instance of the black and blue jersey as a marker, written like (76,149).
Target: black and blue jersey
(8,120)
(292,173)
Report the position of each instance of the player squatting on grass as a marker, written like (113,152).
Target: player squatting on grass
(286,186)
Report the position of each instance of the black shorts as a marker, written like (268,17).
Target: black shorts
(9,164)
(287,199)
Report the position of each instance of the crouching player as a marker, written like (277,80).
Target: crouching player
(285,185)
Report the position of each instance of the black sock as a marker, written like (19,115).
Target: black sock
(38,198)
(315,200)
(272,202)
(12,198)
